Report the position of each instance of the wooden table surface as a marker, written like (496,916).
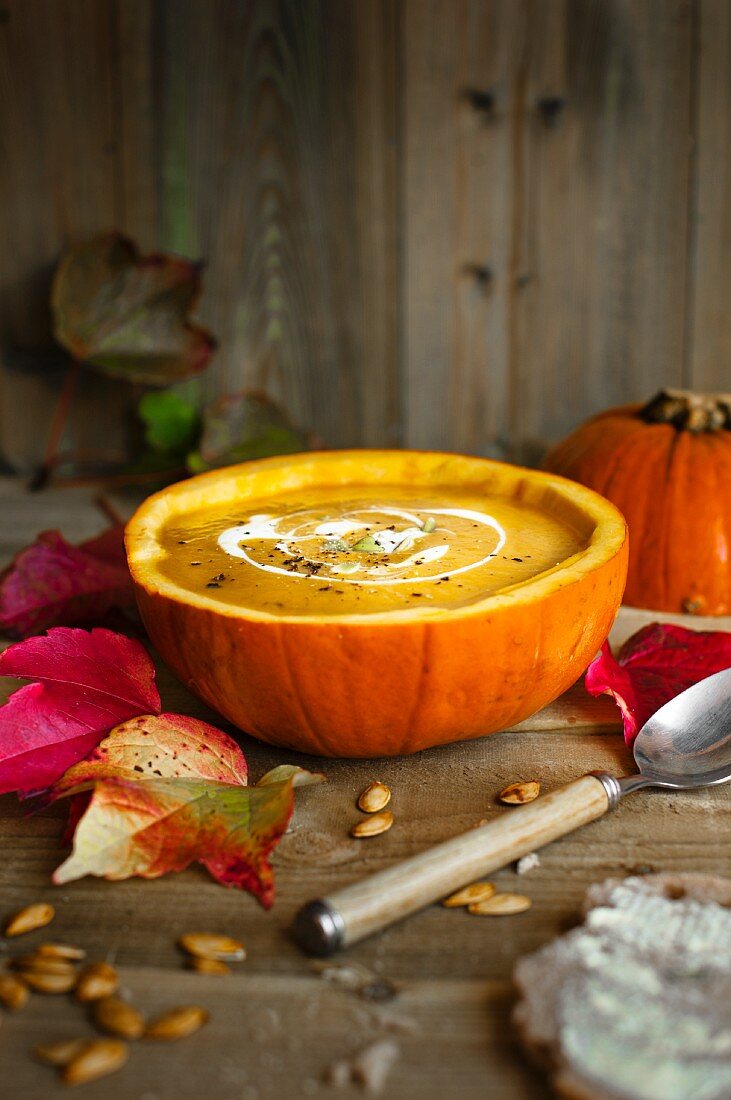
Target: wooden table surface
(276,1024)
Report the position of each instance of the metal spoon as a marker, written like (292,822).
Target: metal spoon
(685,744)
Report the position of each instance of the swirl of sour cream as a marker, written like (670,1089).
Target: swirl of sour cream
(290,532)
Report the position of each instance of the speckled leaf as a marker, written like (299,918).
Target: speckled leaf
(151,827)
(52,583)
(126,315)
(163,746)
(241,426)
(655,665)
(86,683)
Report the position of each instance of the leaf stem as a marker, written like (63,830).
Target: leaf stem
(58,423)
(105,506)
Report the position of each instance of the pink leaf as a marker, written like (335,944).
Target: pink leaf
(86,683)
(655,665)
(53,583)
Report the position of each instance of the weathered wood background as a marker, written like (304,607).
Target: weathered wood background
(438,223)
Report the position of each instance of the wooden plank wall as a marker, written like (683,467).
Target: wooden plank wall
(438,223)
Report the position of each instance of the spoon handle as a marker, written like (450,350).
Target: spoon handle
(349,915)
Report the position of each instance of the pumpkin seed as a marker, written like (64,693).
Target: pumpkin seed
(95,1059)
(42,964)
(49,983)
(96,981)
(209,945)
(60,951)
(30,918)
(60,1053)
(13,992)
(346,567)
(368,545)
(429,525)
(177,1023)
(118,1018)
(469,895)
(373,825)
(208,966)
(374,798)
(501,905)
(515,794)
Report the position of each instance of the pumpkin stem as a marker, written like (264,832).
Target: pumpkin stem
(693,412)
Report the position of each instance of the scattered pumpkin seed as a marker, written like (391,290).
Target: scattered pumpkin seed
(429,525)
(60,951)
(177,1023)
(501,905)
(208,966)
(96,981)
(470,895)
(60,1053)
(118,1018)
(373,825)
(49,983)
(95,1059)
(30,918)
(42,964)
(209,945)
(515,794)
(375,797)
(13,992)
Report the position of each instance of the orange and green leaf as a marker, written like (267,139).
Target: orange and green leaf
(169,791)
(149,828)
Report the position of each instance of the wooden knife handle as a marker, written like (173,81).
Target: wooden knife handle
(328,924)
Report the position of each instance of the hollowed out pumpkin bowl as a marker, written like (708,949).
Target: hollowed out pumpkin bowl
(387,683)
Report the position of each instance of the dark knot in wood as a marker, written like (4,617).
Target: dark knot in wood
(482,100)
(481,274)
(551,109)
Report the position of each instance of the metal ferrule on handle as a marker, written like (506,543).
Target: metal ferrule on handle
(326,925)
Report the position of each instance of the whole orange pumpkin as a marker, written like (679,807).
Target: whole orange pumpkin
(667,466)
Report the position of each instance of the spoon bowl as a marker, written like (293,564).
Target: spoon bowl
(687,742)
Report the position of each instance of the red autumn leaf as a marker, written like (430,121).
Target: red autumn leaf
(169,791)
(655,665)
(86,683)
(52,583)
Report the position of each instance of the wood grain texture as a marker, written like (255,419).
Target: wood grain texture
(709,342)
(450,223)
(602,269)
(275,148)
(461,66)
(58,120)
(276,1025)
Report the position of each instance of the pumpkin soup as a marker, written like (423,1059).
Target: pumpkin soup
(318,552)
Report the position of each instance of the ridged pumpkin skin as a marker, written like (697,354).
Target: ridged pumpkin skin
(393,682)
(673,486)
